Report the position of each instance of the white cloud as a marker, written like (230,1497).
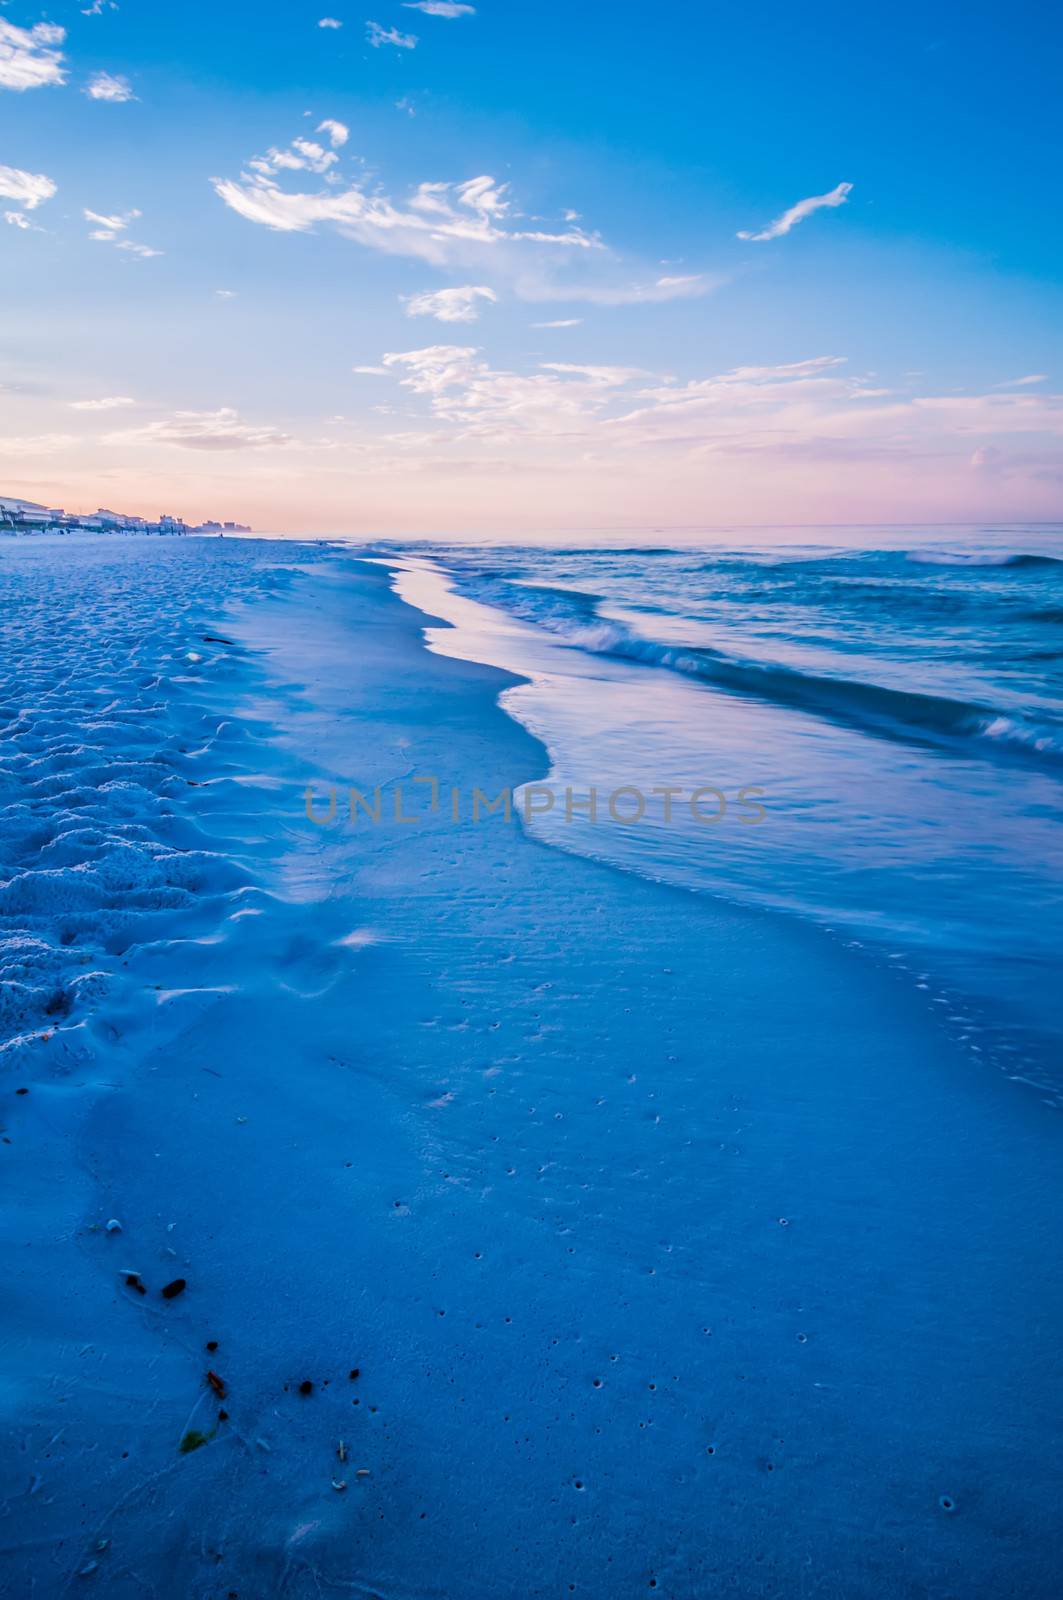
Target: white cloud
(690,410)
(449,305)
(439,8)
(225,294)
(798,213)
(473,227)
(794,418)
(143,250)
(600,377)
(1019,383)
(18,219)
(113,402)
(329,22)
(313,155)
(995,413)
(223,429)
(690,287)
(562,322)
(338,132)
(801,405)
(440,222)
(377,36)
(28,189)
(108,229)
(109,86)
(30,57)
(42,444)
(479,194)
(814,411)
(558,400)
(302,155)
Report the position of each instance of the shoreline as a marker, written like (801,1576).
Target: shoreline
(630,724)
(642,1267)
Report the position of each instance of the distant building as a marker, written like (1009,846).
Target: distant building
(24,513)
(26,516)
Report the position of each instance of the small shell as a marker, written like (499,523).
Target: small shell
(339,1484)
(363,1472)
(114,1226)
(341,1451)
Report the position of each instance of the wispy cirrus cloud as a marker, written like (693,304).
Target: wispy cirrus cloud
(114,402)
(330,22)
(106,227)
(439,8)
(219,430)
(617,292)
(815,412)
(28,189)
(377,36)
(599,376)
(459,304)
(30,58)
(798,213)
(810,411)
(437,222)
(109,86)
(700,406)
(561,322)
(110,230)
(473,224)
(557,400)
(1022,383)
(41,444)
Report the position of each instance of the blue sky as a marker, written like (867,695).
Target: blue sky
(858,362)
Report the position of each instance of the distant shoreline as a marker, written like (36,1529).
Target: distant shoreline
(30,517)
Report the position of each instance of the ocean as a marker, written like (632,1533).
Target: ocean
(893,705)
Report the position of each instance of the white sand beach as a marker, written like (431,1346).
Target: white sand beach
(540,1230)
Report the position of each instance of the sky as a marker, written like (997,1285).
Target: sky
(513,270)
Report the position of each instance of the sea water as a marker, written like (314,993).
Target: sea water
(892,698)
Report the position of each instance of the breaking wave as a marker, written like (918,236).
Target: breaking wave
(573,616)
